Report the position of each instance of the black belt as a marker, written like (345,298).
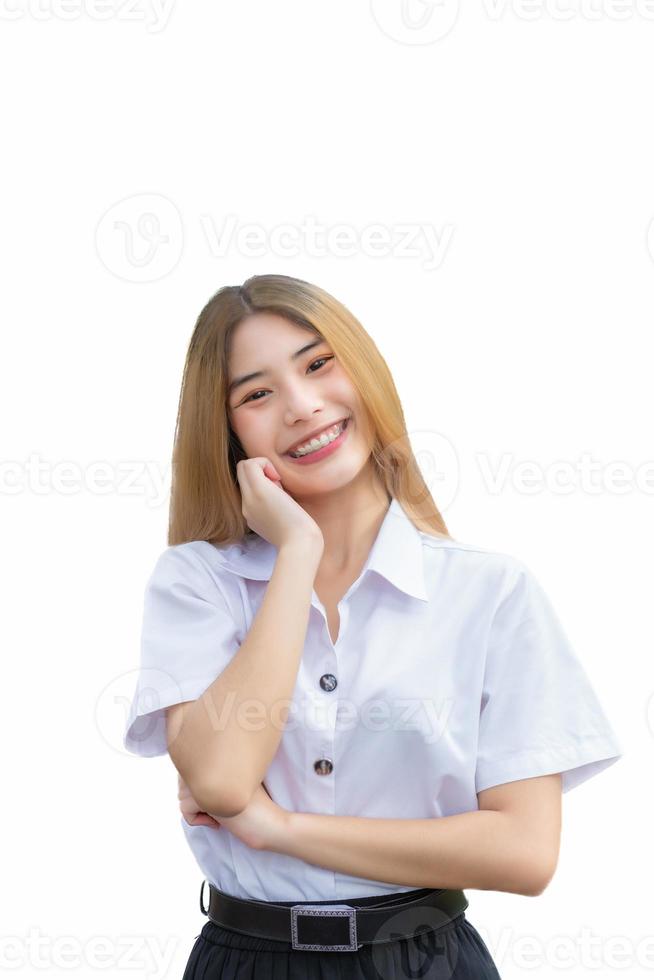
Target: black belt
(335,926)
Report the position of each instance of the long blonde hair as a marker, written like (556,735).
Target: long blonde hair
(205,501)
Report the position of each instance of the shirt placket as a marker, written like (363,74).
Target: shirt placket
(321,732)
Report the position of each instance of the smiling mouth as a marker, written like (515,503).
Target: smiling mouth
(313,445)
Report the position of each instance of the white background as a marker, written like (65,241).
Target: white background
(517,138)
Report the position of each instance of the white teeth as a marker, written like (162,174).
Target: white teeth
(318,441)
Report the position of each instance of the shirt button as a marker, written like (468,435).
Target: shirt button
(328,682)
(323,766)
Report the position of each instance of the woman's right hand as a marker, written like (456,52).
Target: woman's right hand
(269,510)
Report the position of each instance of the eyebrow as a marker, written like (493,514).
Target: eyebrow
(237,382)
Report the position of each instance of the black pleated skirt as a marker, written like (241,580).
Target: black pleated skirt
(455,951)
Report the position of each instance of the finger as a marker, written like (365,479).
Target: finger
(257,465)
(242,472)
(204,820)
(194,816)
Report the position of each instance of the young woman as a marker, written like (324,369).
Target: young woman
(366,715)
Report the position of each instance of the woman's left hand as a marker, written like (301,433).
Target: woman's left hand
(262,825)
(194,815)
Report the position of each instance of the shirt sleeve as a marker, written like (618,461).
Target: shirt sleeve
(539,713)
(188,637)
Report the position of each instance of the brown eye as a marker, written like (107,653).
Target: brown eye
(327,357)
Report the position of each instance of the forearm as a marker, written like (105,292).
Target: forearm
(229,736)
(481,849)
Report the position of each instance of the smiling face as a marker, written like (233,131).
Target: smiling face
(296,392)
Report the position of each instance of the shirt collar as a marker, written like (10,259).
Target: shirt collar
(396,554)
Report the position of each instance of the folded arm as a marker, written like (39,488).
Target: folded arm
(510,844)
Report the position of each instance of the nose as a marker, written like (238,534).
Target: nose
(301,404)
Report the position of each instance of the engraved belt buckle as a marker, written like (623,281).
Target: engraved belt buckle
(324,912)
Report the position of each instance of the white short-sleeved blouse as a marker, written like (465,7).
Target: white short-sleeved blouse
(451,673)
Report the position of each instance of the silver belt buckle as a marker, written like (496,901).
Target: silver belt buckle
(324,912)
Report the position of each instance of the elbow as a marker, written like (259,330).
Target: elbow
(538,879)
(218,802)
(210,797)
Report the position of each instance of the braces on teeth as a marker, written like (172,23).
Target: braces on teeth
(329,435)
